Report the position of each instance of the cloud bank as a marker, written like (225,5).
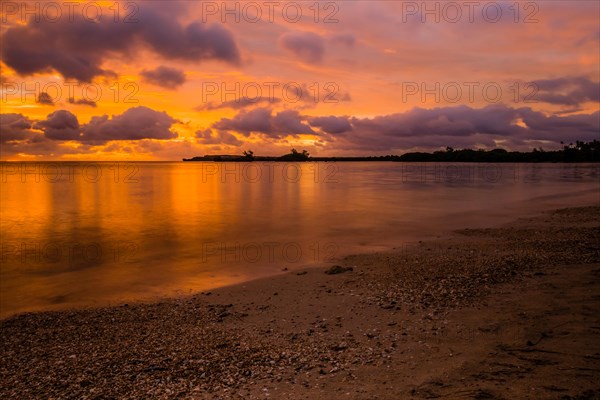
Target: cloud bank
(77,48)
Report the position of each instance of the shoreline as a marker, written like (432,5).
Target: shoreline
(432,320)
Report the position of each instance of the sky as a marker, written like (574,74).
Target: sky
(164,80)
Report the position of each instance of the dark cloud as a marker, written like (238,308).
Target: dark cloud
(569,91)
(452,121)
(134,124)
(289,122)
(37,146)
(77,48)
(328,93)
(261,120)
(465,126)
(238,104)
(331,124)
(459,126)
(246,122)
(207,136)
(60,125)
(566,128)
(307,46)
(83,102)
(15,127)
(45,98)
(166,77)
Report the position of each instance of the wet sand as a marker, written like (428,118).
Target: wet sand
(501,313)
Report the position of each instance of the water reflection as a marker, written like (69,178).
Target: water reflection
(88,234)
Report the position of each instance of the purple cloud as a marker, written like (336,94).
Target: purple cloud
(83,102)
(207,136)
(134,124)
(238,104)
(15,127)
(77,48)
(331,124)
(459,126)
(45,98)
(307,46)
(166,77)
(568,91)
(260,120)
(290,122)
(60,125)
(465,126)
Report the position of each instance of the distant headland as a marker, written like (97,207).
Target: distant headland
(578,152)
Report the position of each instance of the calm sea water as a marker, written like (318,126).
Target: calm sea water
(85,234)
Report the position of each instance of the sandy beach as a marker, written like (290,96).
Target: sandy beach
(509,312)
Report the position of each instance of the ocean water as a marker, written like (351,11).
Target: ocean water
(91,234)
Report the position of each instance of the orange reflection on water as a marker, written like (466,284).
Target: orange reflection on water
(107,233)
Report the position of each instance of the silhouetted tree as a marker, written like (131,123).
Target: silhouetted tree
(296,156)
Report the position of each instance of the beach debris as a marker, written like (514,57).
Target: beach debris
(338,269)
(200,349)
(339,347)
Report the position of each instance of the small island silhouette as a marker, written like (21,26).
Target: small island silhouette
(578,152)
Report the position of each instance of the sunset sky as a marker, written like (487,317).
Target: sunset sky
(158,80)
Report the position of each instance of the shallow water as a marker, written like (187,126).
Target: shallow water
(81,234)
